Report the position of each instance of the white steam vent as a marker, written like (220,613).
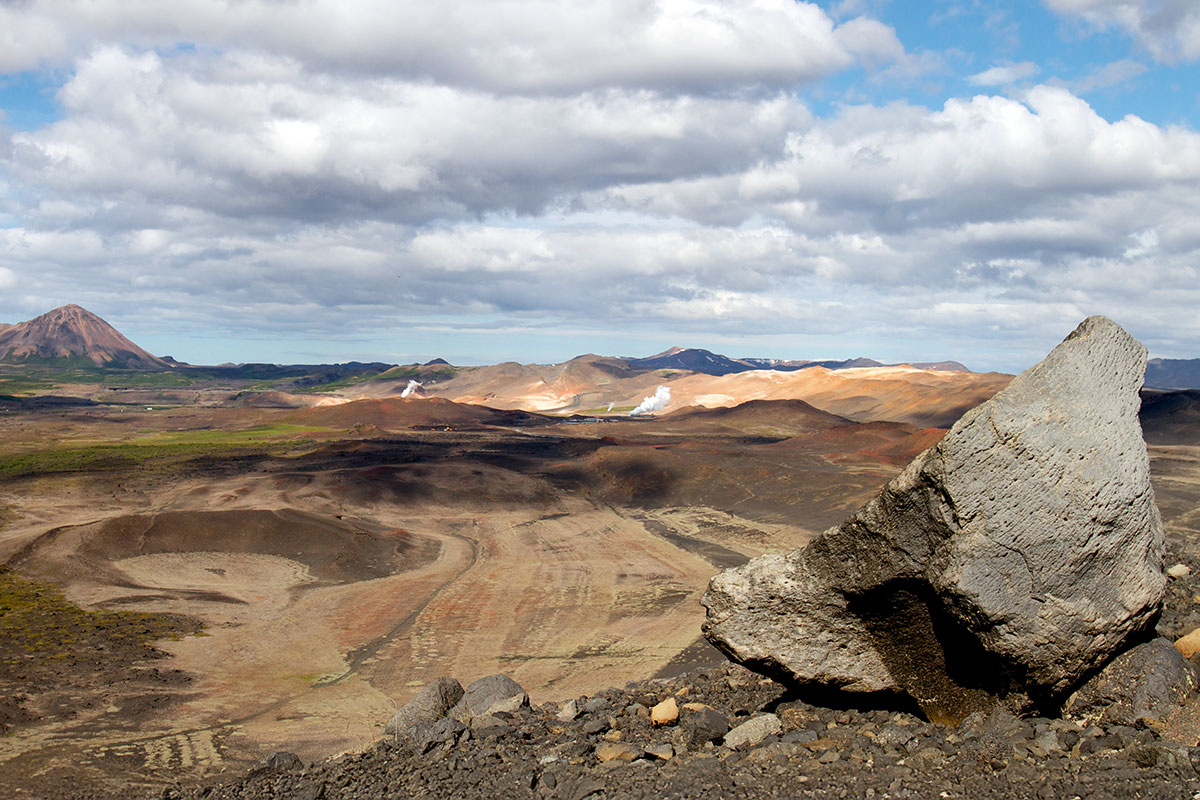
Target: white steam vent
(653,404)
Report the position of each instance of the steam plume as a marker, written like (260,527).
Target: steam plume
(412,387)
(657,402)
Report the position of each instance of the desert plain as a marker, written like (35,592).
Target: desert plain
(285,578)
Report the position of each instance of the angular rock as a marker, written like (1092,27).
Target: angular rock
(1143,685)
(617,751)
(665,713)
(1002,564)
(663,752)
(431,704)
(703,726)
(1189,644)
(753,731)
(283,761)
(426,736)
(569,711)
(490,695)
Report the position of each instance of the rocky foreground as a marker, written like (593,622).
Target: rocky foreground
(727,732)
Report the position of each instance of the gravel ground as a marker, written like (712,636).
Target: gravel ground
(807,751)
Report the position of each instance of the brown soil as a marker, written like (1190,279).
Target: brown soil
(336,574)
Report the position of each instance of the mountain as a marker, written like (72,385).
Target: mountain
(71,332)
(693,359)
(940,366)
(1171,418)
(1173,373)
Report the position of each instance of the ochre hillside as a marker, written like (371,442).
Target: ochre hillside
(72,332)
(397,413)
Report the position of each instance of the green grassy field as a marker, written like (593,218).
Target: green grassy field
(165,447)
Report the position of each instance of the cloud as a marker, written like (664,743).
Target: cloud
(1005,75)
(252,136)
(1168,29)
(533,168)
(525,46)
(653,404)
(1111,74)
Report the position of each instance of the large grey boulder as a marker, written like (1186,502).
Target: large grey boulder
(431,704)
(490,695)
(1007,562)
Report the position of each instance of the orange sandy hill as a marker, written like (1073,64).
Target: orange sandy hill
(921,397)
(590,384)
(396,413)
(810,429)
(758,417)
(584,383)
(71,331)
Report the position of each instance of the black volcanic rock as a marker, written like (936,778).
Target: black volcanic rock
(72,332)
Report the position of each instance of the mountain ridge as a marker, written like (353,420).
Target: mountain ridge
(72,331)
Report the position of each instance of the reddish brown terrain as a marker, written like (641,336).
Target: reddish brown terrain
(194,582)
(71,331)
(339,558)
(591,384)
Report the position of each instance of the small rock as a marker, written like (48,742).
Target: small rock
(427,736)
(616,751)
(1189,644)
(665,713)
(569,711)
(799,737)
(283,761)
(596,726)
(828,757)
(488,721)
(703,726)
(663,752)
(1179,571)
(753,731)
(430,704)
(614,736)
(595,704)
(696,706)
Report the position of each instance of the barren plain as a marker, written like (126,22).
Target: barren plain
(319,566)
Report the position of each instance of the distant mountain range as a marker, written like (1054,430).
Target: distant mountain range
(72,335)
(1173,373)
(710,363)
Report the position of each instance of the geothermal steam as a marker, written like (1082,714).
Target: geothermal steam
(408,390)
(653,404)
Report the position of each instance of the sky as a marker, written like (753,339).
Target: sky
(325,180)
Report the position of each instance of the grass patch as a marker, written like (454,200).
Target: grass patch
(606,411)
(39,624)
(261,433)
(163,447)
(21,385)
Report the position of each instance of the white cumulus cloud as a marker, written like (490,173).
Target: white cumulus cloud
(1005,75)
